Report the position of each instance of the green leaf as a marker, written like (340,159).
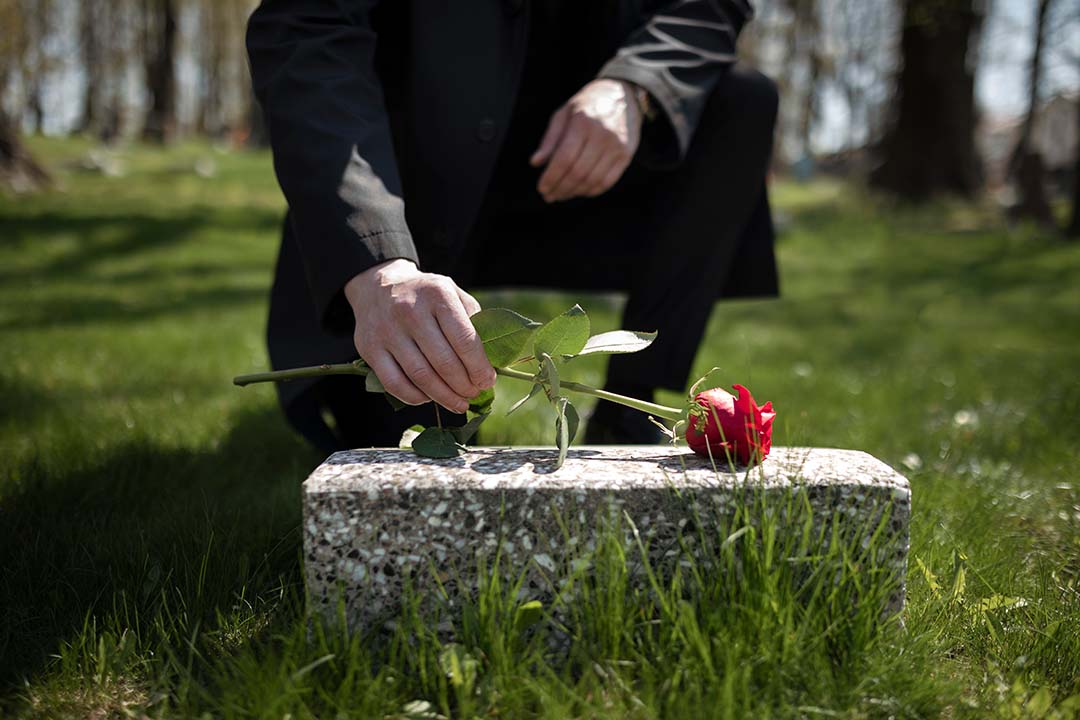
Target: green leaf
(572,421)
(566,424)
(504,334)
(618,341)
(535,389)
(550,375)
(481,404)
(436,442)
(527,615)
(409,435)
(373,385)
(464,433)
(563,335)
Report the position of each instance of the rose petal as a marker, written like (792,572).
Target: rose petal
(745,403)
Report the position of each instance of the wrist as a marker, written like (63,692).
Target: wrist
(642,99)
(384,274)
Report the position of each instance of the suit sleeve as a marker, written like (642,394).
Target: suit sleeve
(677,56)
(312,66)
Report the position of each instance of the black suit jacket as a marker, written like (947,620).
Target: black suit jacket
(385,122)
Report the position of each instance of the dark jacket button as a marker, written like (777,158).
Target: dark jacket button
(485,131)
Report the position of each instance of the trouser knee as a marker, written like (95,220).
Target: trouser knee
(743,108)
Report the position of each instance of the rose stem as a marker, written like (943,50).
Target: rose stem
(663,411)
(668,413)
(295,373)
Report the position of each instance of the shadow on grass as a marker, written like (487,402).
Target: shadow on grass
(105,237)
(108,235)
(924,255)
(128,537)
(100,237)
(73,311)
(154,289)
(980,272)
(22,400)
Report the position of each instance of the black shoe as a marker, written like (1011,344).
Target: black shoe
(612,424)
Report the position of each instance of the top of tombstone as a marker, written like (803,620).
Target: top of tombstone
(606,468)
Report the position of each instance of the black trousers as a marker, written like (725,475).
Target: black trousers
(674,240)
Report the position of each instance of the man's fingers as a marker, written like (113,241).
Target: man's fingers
(614,174)
(424,377)
(468,302)
(466,343)
(576,181)
(394,380)
(443,358)
(554,131)
(565,154)
(604,176)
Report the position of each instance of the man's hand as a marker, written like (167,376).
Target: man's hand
(413,329)
(589,142)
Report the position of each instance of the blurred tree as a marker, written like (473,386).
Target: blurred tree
(18,169)
(225,101)
(1064,45)
(212,43)
(255,133)
(1026,166)
(803,50)
(93,66)
(864,32)
(1073,229)
(930,146)
(159,58)
(36,60)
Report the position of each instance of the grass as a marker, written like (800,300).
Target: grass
(149,511)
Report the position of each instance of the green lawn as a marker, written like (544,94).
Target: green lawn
(149,510)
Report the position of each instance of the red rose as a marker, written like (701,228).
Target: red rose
(730,425)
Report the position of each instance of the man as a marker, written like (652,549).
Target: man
(424,147)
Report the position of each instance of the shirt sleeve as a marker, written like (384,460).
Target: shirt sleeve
(312,66)
(677,56)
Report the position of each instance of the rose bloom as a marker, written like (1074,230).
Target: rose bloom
(731,427)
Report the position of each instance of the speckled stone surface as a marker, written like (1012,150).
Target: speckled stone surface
(373,517)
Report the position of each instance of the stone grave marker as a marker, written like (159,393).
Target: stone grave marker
(373,517)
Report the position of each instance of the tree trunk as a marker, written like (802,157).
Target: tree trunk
(1073,230)
(18,170)
(160,52)
(809,29)
(1026,164)
(92,62)
(40,17)
(930,147)
(210,117)
(36,106)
